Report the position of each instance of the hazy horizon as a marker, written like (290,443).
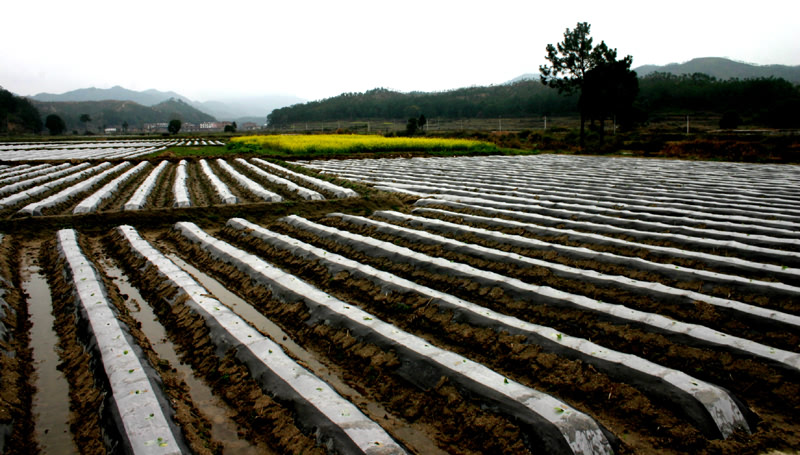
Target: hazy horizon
(315,50)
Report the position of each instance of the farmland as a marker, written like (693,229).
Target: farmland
(485,304)
(299,145)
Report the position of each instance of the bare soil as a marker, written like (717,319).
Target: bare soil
(440,419)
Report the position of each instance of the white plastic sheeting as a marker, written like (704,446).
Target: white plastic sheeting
(727,262)
(22,196)
(110,149)
(91,203)
(179,189)
(268,363)
(143,421)
(536,293)
(723,411)
(52,173)
(461,182)
(137,201)
(657,290)
(315,182)
(35,209)
(305,193)
(222,190)
(248,184)
(567,430)
(26,172)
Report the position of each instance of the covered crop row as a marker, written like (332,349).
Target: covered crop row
(92,202)
(564,430)
(84,171)
(317,405)
(139,197)
(721,416)
(529,180)
(22,172)
(51,173)
(137,411)
(81,150)
(338,191)
(192,183)
(35,208)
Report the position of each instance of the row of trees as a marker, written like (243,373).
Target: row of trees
(523,99)
(769,102)
(17,114)
(590,80)
(56,125)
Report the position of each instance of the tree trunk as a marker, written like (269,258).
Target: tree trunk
(583,130)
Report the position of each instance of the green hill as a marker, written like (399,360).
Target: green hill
(18,114)
(146,98)
(113,114)
(522,99)
(723,68)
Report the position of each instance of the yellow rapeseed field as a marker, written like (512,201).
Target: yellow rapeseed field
(349,143)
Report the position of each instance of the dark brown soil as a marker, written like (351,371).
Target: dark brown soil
(265,420)
(445,414)
(460,425)
(16,358)
(774,399)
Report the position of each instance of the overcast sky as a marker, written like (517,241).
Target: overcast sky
(316,49)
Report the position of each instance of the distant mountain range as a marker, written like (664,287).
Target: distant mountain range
(117,104)
(146,98)
(720,68)
(723,68)
(233,109)
(114,113)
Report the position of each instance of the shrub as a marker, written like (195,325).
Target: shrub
(730,120)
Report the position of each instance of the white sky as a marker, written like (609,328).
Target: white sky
(316,49)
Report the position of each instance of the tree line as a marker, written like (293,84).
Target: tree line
(770,102)
(590,81)
(18,114)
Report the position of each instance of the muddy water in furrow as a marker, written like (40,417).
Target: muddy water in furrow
(51,401)
(223,428)
(414,438)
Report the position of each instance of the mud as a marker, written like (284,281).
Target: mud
(118,199)
(768,390)
(51,402)
(86,397)
(263,420)
(162,195)
(459,425)
(787,303)
(275,188)
(17,424)
(222,409)
(699,312)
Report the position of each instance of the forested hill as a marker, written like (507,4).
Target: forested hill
(767,101)
(111,113)
(17,114)
(145,98)
(723,68)
(522,99)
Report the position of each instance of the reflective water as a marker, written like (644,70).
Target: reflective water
(51,400)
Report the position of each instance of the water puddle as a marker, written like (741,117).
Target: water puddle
(408,433)
(223,428)
(51,400)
